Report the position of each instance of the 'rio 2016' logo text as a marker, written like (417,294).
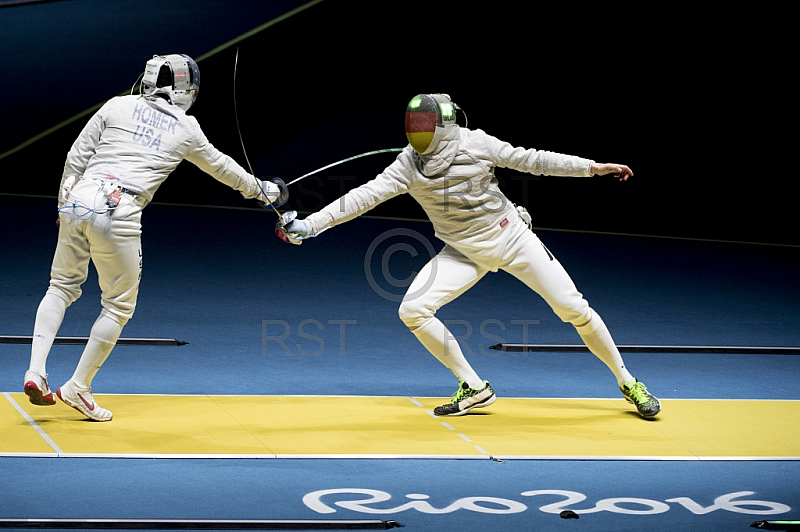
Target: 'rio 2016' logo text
(372,503)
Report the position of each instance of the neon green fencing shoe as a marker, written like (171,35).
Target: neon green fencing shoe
(465,399)
(636,393)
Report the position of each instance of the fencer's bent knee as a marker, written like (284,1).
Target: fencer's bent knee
(575,311)
(414,314)
(119,309)
(588,322)
(69,294)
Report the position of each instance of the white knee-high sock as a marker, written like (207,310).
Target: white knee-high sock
(597,338)
(444,346)
(48,320)
(102,340)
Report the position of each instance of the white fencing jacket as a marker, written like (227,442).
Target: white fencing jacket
(140,142)
(455,185)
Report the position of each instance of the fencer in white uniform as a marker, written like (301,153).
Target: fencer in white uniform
(121,157)
(449,171)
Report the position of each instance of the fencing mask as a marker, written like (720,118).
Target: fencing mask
(428,118)
(175,76)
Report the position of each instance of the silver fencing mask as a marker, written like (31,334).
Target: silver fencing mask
(174,76)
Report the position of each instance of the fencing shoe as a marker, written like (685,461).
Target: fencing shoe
(636,393)
(465,399)
(82,401)
(37,389)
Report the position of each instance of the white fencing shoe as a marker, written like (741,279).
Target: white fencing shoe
(83,401)
(37,389)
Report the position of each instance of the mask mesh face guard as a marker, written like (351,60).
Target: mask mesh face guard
(175,76)
(428,117)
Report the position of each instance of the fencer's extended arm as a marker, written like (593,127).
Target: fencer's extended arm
(226,170)
(356,202)
(392,182)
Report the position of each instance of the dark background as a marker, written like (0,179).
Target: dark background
(694,101)
(675,94)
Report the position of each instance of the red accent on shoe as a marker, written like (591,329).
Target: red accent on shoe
(36,396)
(90,406)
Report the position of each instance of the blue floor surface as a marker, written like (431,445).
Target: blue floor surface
(420,494)
(263,317)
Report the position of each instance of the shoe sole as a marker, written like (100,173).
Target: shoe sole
(486,402)
(646,416)
(80,409)
(36,397)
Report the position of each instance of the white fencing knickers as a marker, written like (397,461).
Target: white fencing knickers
(523,255)
(110,238)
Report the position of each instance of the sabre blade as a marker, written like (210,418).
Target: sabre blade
(374,152)
(241,140)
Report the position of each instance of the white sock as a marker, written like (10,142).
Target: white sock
(48,320)
(102,340)
(443,345)
(597,338)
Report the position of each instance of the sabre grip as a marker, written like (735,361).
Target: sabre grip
(281,230)
(283,192)
(274,188)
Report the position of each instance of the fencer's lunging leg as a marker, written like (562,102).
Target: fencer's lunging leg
(595,335)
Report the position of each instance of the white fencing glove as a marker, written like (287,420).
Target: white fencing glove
(275,190)
(290,229)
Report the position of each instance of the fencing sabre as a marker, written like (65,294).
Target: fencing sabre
(348,159)
(287,217)
(244,151)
